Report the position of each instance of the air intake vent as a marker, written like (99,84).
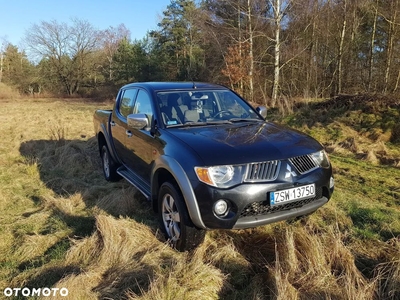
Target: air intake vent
(264,208)
(263,171)
(304,163)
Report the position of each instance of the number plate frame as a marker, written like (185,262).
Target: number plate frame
(292,194)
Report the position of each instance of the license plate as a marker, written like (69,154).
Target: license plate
(297,193)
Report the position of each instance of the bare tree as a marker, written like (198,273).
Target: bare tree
(279,8)
(110,40)
(391,36)
(66,48)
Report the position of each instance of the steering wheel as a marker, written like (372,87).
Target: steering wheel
(221,113)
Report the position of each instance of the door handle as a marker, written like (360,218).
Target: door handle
(128,133)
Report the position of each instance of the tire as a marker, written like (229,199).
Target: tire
(175,222)
(109,166)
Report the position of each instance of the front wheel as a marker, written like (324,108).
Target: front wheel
(175,221)
(109,166)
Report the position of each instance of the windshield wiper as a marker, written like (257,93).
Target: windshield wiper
(194,124)
(235,120)
(207,123)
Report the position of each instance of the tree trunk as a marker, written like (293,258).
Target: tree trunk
(251,67)
(389,52)
(241,83)
(371,48)
(341,46)
(277,43)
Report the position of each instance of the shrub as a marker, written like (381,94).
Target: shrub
(395,137)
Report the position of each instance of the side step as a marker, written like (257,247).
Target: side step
(135,180)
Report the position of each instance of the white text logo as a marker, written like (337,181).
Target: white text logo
(31,292)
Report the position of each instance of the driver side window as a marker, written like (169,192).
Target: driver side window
(230,104)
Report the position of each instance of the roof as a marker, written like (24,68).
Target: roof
(158,86)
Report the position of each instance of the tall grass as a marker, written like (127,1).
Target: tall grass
(63,225)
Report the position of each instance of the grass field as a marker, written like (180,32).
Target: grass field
(63,226)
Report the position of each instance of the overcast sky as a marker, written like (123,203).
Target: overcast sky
(139,16)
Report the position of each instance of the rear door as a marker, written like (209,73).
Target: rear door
(124,107)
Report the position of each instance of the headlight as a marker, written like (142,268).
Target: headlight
(220,176)
(321,158)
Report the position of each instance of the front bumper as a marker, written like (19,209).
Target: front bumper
(249,205)
(253,221)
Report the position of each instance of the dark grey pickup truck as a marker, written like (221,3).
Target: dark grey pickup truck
(206,159)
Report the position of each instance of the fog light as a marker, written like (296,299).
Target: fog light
(331,183)
(221,207)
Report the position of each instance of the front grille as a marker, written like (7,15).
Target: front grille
(264,208)
(304,163)
(263,171)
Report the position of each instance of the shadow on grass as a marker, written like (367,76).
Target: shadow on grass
(251,281)
(72,170)
(48,277)
(116,282)
(56,251)
(73,167)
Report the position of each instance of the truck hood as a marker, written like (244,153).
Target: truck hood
(245,142)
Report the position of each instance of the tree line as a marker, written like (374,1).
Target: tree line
(266,50)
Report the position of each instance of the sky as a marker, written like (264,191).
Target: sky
(139,16)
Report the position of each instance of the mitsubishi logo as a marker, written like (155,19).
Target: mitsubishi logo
(289,172)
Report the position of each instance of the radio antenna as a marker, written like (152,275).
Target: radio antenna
(191,77)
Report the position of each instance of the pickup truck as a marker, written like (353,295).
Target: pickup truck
(206,159)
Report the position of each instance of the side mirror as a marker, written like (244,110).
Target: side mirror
(262,110)
(138,121)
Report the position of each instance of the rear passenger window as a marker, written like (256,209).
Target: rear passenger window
(126,104)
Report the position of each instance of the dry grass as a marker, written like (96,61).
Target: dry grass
(7,92)
(362,126)
(63,225)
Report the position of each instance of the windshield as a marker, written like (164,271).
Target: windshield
(203,107)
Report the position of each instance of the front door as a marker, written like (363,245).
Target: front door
(140,143)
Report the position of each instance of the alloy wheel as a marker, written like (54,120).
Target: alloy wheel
(106,163)
(171,218)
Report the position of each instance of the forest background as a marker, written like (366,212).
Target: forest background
(269,51)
